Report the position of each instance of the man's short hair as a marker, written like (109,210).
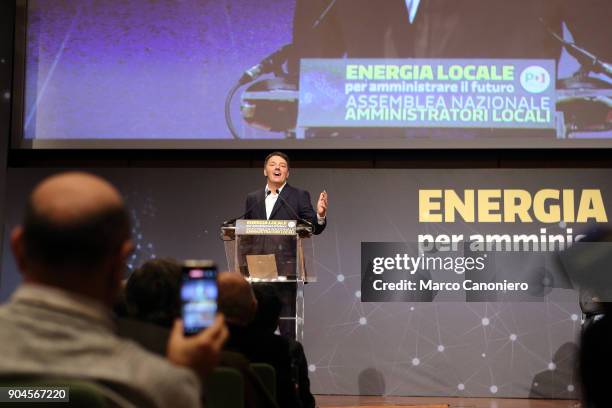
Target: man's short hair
(280,154)
(77,244)
(236,299)
(152,292)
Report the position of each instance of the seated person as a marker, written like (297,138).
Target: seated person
(72,249)
(595,358)
(237,302)
(152,302)
(152,292)
(269,305)
(595,355)
(149,303)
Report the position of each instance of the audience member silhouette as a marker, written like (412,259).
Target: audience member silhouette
(152,301)
(238,303)
(72,250)
(266,321)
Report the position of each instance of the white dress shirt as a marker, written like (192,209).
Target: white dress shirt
(271,200)
(412,6)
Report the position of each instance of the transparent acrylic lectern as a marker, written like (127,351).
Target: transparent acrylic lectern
(275,251)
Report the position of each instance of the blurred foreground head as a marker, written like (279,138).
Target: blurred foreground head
(75,236)
(152,292)
(236,299)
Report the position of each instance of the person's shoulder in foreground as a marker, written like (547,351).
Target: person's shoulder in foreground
(52,333)
(71,250)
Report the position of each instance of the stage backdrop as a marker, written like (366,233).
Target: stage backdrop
(502,349)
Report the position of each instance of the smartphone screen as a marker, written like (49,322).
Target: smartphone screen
(199,295)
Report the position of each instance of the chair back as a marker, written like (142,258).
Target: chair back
(267,375)
(225,388)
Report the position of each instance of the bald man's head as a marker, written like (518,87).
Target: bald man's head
(68,198)
(236,299)
(74,222)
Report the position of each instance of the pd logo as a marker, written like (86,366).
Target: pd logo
(535,79)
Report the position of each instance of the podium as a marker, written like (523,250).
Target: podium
(280,252)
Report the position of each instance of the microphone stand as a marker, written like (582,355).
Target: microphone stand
(587,60)
(297,217)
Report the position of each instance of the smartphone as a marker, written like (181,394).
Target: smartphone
(199,292)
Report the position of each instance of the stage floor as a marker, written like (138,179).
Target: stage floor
(329,401)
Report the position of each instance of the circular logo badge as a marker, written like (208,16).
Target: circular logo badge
(291,224)
(535,79)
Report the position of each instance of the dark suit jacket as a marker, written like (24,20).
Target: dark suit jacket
(293,203)
(448,29)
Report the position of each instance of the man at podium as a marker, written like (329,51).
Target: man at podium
(280,201)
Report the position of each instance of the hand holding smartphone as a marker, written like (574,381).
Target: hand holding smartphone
(199,292)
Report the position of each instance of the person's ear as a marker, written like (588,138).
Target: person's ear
(18,248)
(265,172)
(126,250)
(120,261)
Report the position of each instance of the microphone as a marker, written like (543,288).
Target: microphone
(273,61)
(233,220)
(269,64)
(297,217)
(587,60)
(323,15)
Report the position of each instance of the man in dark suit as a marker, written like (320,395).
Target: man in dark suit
(447,29)
(293,203)
(280,201)
(470,29)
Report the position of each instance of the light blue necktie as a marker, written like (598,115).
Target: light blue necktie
(412,6)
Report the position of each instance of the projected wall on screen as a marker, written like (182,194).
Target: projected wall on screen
(343,71)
